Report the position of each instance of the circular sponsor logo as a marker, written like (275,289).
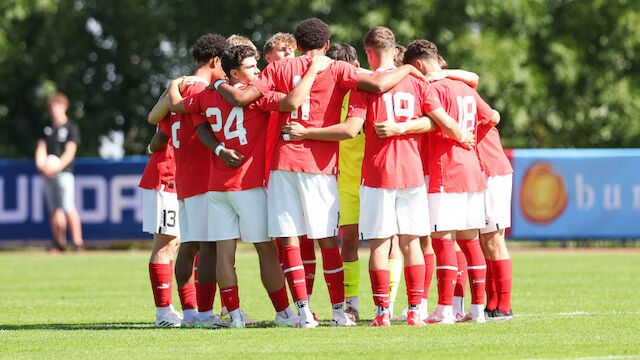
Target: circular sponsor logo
(543,194)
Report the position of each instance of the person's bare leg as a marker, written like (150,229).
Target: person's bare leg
(270,272)
(59,228)
(75,228)
(164,248)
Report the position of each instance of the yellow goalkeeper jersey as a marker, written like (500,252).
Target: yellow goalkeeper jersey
(350,170)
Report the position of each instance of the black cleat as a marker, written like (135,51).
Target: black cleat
(487,313)
(496,315)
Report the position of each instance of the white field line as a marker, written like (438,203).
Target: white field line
(605,357)
(579,313)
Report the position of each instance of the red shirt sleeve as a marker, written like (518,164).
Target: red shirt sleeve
(431,99)
(192,103)
(197,119)
(485,112)
(347,75)
(270,101)
(165,125)
(358,104)
(266,81)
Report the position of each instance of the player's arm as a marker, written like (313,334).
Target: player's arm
(68,155)
(159,111)
(41,157)
(468,77)
(231,158)
(343,131)
(385,81)
(416,126)
(296,97)
(235,96)
(157,143)
(450,127)
(495,118)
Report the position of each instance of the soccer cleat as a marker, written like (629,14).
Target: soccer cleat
(496,315)
(291,321)
(413,319)
(169,318)
(460,316)
(341,319)
(381,320)
(435,319)
(352,313)
(211,322)
(476,319)
(315,318)
(487,312)
(237,323)
(302,324)
(247,320)
(188,324)
(401,317)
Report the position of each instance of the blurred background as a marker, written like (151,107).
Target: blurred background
(563,74)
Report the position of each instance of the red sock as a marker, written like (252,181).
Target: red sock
(161,276)
(230,296)
(492,296)
(380,283)
(477,269)
(333,274)
(446,269)
(414,279)
(429,261)
(187,295)
(279,299)
(308,254)
(503,271)
(205,294)
(461,280)
(294,272)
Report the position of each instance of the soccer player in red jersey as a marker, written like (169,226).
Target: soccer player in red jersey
(456,206)
(192,157)
(238,203)
(499,173)
(303,195)
(160,218)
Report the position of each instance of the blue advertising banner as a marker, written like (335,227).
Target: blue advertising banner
(107,198)
(579,193)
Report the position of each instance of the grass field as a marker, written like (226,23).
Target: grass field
(568,304)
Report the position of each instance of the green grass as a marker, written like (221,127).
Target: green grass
(568,304)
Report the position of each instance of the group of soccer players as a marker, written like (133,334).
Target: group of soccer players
(312,149)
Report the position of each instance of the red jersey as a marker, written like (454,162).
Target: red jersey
(393,162)
(193,159)
(241,129)
(160,169)
(452,168)
(493,160)
(320,109)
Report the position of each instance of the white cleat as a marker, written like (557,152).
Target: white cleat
(211,322)
(290,321)
(435,319)
(352,313)
(460,316)
(401,317)
(475,319)
(188,324)
(237,323)
(341,319)
(170,318)
(247,320)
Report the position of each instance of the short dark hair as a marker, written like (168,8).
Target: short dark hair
(311,34)
(234,56)
(380,38)
(344,52)
(420,49)
(209,46)
(399,60)
(442,62)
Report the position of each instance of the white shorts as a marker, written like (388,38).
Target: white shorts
(497,203)
(59,191)
(160,212)
(194,212)
(303,204)
(387,212)
(456,211)
(238,214)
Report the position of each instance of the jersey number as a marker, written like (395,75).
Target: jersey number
(400,104)
(306,105)
(236,114)
(169,218)
(174,134)
(467,109)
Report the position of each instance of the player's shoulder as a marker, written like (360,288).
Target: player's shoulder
(195,88)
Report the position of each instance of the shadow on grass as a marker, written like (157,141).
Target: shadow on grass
(110,326)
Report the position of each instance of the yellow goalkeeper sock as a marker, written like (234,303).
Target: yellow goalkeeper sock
(395,273)
(351,278)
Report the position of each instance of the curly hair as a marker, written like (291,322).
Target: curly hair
(234,56)
(420,49)
(209,46)
(311,34)
(344,52)
(380,38)
(279,38)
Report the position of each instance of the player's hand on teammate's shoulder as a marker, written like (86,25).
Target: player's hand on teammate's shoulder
(387,129)
(413,71)
(468,140)
(435,76)
(320,63)
(231,157)
(294,131)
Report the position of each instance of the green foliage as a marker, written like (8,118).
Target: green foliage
(562,73)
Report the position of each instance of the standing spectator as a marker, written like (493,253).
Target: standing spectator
(54,160)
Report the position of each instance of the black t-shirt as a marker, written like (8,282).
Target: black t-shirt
(56,139)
